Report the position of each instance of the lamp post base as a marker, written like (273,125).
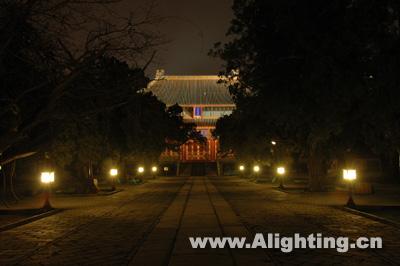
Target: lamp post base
(281,184)
(47,205)
(350,202)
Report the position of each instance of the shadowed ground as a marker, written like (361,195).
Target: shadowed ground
(150,225)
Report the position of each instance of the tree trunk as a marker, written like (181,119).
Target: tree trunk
(4,194)
(91,187)
(178,164)
(316,172)
(12,175)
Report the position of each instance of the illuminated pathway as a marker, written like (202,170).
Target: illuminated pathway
(270,211)
(150,225)
(93,231)
(199,210)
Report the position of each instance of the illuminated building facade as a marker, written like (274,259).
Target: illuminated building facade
(204,101)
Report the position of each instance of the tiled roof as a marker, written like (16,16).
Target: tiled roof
(202,122)
(191,90)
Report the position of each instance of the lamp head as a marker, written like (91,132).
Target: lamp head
(281,170)
(256,168)
(47,177)
(113,172)
(349,174)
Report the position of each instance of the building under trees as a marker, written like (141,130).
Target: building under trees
(204,100)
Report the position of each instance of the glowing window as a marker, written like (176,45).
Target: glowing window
(204,132)
(197,112)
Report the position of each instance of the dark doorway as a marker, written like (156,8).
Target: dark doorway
(198,169)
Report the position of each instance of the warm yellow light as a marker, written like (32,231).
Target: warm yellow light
(166,169)
(349,174)
(47,177)
(141,169)
(281,170)
(241,168)
(256,168)
(273,142)
(154,169)
(113,172)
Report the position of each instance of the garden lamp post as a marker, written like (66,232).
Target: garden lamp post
(140,170)
(350,175)
(256,170)
(241,170)
(113,175)
(47,178)
(154,170)
(166,169)
(281,172)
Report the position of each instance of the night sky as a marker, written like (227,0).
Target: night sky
(192,28)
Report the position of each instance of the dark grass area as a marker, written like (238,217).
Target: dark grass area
(387,212)
(9,216)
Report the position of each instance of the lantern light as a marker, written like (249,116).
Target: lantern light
(47,177)
(241,168)
(281,170)
(349,174)
(154,169)
(256,168)
(140,169)
(113,172)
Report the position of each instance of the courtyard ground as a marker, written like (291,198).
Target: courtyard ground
(150,225)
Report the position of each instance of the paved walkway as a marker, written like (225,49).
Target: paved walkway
(199,210)
(384,195)
(92,230)
(150,225)
(269,210)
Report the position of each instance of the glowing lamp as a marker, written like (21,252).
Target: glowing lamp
(47,177)
(140,169)
(241,168)
(113,172)
(349,174)
(256,168)
(154,169)
(280,170)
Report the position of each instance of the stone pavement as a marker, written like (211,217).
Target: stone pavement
(199,210)
(272,211)
(98,231)
(150,225)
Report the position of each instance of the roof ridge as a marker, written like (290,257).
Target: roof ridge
(191,77)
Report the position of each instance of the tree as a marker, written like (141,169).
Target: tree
(306,70)
(72,84)
(48,45)
(122,122)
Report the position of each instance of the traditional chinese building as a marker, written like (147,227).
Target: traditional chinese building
(204,100)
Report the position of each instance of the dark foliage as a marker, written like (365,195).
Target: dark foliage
(320,78)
